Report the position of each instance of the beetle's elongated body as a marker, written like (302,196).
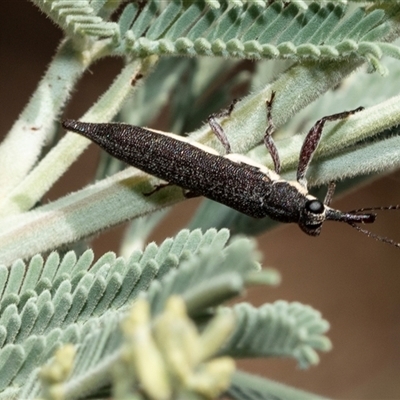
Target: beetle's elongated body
(257,192)
(233,180)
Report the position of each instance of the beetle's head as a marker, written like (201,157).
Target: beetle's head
(314,213)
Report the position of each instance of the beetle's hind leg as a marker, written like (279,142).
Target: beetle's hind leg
(217,128)
(311,142)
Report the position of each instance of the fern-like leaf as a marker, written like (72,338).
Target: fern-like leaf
(256,31)
(251,30)
(110,282)
(67,299)
(79,17)
(209,275)
(280,329)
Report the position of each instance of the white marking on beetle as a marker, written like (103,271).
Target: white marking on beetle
(242,159)
(187,140)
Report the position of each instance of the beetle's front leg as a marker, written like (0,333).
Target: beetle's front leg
(217,128)
(268,141)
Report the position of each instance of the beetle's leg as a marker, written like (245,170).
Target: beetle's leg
(311,143)
(268,141)
(157,188)
(329,193)
(217,128)
(187,193)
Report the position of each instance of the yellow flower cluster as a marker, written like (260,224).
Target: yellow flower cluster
(168,358)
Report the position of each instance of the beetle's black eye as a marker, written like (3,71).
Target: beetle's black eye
(315,207)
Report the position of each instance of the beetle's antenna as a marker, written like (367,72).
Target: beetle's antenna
(353,218)
(395,207)
(374,236)
(370,234)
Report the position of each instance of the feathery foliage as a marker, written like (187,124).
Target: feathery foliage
(254,30)
(73,300)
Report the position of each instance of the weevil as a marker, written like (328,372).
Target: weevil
(230,179)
